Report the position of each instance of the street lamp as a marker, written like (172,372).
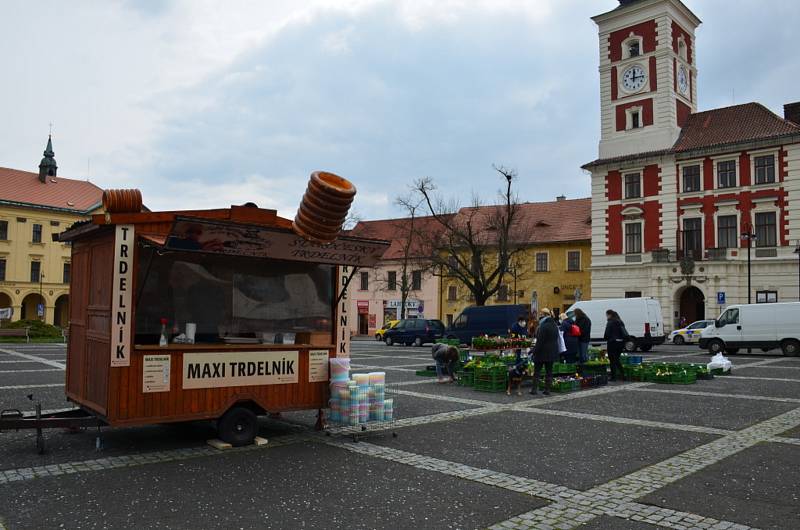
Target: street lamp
(41,295)
(797,251)
(749,236)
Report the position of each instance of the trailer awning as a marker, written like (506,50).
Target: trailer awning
(235,239)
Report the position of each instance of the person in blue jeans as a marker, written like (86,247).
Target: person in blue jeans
(585,324)
(445,357)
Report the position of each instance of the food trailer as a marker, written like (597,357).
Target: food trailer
(221,314)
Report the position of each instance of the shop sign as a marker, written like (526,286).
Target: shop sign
(342,329)
(318,366)
(121,296)
(363,306)
(155,373)
(223,369)
(410,303)
(372,321)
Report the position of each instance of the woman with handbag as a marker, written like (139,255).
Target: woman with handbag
(545,351)
(571,334)
(615,336)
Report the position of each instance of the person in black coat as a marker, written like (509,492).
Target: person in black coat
(545,351)
(570,340)
(615,337)
(585,324)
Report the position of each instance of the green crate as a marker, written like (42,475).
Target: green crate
(449,342)
(465,378)
(564,368)
(489,381)
(687,378)
(719,371)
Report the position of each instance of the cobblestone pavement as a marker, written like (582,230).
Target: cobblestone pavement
(622,498)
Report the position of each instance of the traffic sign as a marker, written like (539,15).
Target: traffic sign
(720,297)
(40,310)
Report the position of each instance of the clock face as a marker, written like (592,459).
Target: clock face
(634,78)
(683,80)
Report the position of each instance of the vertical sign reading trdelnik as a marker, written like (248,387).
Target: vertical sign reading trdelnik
(342,313)
(121,301)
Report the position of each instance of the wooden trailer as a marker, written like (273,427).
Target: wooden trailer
(259,301)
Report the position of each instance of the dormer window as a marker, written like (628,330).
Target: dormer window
(632,47)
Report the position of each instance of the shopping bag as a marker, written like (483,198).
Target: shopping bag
(562,347)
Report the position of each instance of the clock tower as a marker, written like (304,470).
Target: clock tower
(648,75)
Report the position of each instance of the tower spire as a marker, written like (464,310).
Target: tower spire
(48,166)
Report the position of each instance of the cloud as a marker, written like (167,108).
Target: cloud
(201,104)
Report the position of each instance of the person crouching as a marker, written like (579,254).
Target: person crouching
(445,357)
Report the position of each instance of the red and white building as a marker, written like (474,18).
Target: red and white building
(673,189)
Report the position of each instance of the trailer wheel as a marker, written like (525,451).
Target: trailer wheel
(630,345)
(238,426)
(790,347)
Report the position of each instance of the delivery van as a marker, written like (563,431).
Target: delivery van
(642,318)
(485,320)
(764,326)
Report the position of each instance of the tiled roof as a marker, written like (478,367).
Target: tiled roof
(717,128)
(397,232)
(541,222)
(24,187)
(732,125)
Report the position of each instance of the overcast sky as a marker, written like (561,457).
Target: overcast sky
(207,104)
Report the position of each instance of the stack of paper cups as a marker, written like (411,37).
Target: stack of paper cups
(377,377)
(340,370)
(361,380)
(379,391)
(376,411)
(388,410)
(335,415)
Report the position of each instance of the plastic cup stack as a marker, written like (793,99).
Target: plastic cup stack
(379,392)
(362,380)
(388,410)
(340,370)
(377,377)
(376,411)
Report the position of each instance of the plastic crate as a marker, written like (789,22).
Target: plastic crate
(464,378)
(490,381)
(719,371)
(564,368)
(686,378)
(449,342)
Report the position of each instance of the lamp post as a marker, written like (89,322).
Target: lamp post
(41,295)
(797,251)
(749,236)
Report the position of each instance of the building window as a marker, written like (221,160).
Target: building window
(66,272)
(727,232)
(633,238)
(632,48)
(37,233)
(726,174)
(36,269)
(635,120)
(364,281)
(502,293)
(691,178)
(416,280)
(391,280)
(765,169)
(574,260)
(2,270)
(633,186)
(766,297)
(692,235)
(682,52)
(452,293)
(541,262)
(766,235)
(4,230)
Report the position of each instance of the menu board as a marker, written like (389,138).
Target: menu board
(155,373)
(317,366)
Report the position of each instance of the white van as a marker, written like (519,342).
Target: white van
(764,326)
(642,318)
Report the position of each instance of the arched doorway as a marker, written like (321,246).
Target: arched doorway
(28,310)
(691,304)
(61,317)
(5,301)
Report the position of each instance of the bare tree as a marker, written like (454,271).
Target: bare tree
(475,244)
(410,242)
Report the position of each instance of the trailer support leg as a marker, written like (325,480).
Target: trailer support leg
(320,425)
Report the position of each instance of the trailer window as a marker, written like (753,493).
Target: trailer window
(230,296)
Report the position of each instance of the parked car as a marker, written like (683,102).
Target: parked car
(485,320)
(764,326)
(642,318)
(416,331)
(389,325)
(690,333)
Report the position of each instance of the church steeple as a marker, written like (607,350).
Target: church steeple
(48,166)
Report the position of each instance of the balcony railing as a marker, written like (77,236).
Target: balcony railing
(695,254)
(717,254)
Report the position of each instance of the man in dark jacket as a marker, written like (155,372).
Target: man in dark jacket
(615,337)
(545,351)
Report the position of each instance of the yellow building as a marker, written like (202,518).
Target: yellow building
(552,265)
(34,269)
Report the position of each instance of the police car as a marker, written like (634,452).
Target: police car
(690,333)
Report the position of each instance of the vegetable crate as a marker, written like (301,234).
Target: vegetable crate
(595,368)
(720,371)
(564,368)
(491,380)
(464,378)
(449,342)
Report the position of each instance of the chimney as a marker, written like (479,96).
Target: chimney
(561,198)
(791,111)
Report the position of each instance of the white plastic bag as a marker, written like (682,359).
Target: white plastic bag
(562,347)
(720,361)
